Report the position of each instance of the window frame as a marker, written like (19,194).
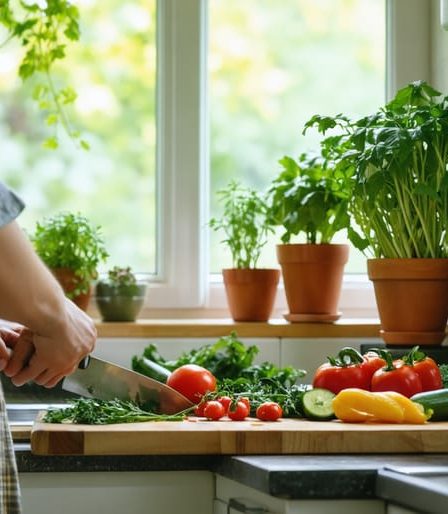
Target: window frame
(182,280)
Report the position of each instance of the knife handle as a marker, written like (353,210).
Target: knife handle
(84,362)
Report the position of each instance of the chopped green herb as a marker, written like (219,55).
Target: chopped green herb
(89,411)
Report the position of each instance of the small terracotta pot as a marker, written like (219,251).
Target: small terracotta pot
(251,292)
(68,280)
(312,276)
(412,299)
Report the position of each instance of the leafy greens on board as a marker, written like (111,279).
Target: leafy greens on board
(231,362)
(228,358)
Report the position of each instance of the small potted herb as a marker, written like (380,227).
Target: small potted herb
(72,248)
(120,295)
(397,159)
(250,290)
(307,199)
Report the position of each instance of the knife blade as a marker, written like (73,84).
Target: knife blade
(107,381)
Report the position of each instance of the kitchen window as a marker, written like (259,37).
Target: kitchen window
(152,185)
(113,71)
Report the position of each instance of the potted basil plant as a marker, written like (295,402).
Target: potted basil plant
(120,295)
(307,199)
(72,248)
(397,159)
(250,290)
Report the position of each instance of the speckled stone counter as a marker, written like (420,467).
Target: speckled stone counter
(292,477)
(29,463)
(318,476)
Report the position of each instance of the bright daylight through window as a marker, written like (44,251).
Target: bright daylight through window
(113,70)
(272,66)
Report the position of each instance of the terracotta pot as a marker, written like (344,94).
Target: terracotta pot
(412,299)
(68,280)
(251,292)
(312,276)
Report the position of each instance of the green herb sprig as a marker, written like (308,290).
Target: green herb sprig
(44,29)
(90,411)
(245,224)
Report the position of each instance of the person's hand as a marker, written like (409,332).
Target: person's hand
(20,349)
(47,358)
(8,337)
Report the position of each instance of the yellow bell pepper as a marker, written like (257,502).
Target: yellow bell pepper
(357,406)
(413,411)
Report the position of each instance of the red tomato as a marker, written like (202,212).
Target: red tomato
(336,378)
(214,410)
(269,411)
(225,401)
(238,412)
(192,381)
(372,362)
(402,379)
(429,374)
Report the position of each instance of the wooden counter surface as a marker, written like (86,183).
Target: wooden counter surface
(251,437)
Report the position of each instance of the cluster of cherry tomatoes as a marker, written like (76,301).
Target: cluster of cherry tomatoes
(237,409)
(194,382)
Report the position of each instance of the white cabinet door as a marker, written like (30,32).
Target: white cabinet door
(169,492)
(226,490)
(396,509)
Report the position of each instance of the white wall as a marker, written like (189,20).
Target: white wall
(439,50)
(305,354)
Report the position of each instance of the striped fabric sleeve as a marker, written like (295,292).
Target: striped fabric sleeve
(9,483)
(10,205)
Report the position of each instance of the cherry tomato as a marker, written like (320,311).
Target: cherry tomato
(238,412)
(214,410)
(402,379)
(269,411)
(192,381)
(199,409)
(225,401)
(245,400)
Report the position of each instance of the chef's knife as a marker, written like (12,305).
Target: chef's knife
(96,378)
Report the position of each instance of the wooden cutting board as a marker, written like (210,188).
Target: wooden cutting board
(198,437)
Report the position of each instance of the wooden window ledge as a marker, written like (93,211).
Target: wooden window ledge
(187,328)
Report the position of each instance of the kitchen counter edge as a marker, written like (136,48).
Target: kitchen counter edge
(292,477)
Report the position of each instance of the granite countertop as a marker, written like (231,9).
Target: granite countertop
(287,476)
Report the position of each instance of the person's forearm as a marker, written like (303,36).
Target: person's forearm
(29,294)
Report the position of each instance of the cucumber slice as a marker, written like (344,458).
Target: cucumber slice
(317,404)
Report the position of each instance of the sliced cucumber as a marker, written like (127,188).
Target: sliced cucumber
(317,404)
(436,400)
